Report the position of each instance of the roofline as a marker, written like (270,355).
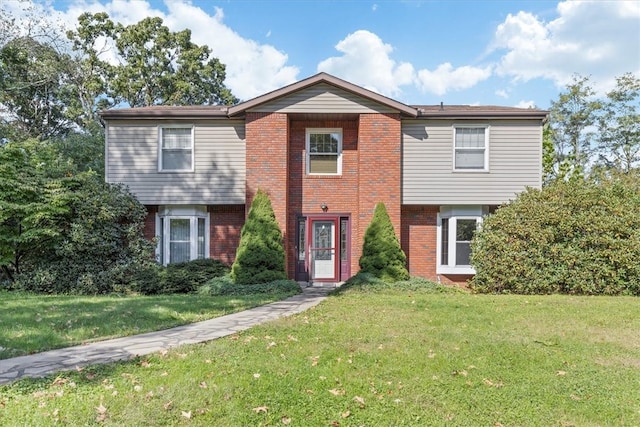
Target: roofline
(323,78)
(197,112)
(525,114)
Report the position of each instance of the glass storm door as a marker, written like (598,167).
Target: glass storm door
(323,250)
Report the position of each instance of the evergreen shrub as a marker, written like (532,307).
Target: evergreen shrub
(382,255)
(260,257)
(571,237)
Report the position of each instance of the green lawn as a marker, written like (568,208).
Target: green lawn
(33,323)
(375,359)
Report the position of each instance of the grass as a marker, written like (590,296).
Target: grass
(388,357)
(32,323)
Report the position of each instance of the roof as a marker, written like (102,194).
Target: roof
(411,111)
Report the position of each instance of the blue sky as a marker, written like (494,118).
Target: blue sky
(515,53)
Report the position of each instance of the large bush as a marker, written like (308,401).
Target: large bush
(571,237)
(95,243)
(260,257)
(382,255)
(183,277)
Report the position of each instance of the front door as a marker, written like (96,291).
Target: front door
(323,262)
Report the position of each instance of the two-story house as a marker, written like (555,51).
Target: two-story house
(326,151)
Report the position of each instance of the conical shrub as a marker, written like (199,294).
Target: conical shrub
(260,257)
(382,255)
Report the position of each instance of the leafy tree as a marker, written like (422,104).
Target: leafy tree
(619,125)
(31,202)
(33,87)
(382,255)
(260,257)
(157,66)
(572,117)
(574,237)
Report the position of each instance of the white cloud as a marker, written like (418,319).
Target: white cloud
(366,61)
(446,78)
(525,104)
(502,93)
(594,38)
(252,68)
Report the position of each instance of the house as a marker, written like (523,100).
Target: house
(326,151)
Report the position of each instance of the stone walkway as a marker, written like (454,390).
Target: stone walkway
(64,359)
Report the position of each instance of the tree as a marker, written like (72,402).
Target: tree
(573,237)
(572,117)
(382,255)
(260,257)
(619,125)
(156,67)
(34,81)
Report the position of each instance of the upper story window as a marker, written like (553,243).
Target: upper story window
(176,149)
(324,151)
(471,148)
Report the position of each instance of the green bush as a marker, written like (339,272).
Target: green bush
(571,238)
(260,257)
(224,285)
(177,278)
(382,255)
(367,282)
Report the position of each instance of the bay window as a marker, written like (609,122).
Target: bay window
(456,227)
(182,234)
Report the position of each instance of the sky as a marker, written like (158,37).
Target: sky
(511,53)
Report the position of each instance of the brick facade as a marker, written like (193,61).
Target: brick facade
(224,234)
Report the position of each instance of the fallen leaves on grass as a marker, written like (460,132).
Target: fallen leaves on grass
(186,414)
(102,413)
(261,409)
(360,401)
(336,392)
(491,383)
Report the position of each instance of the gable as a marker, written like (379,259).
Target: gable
(322,98)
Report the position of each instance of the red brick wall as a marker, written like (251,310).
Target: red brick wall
(419,242)
(149,230)
(370,173)
(226,222)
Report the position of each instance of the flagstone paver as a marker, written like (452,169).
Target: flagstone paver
(48,362)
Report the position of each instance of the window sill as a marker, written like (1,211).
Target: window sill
(470,171)
(443,269)
(320,176)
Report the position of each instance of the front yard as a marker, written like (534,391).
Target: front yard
(374,358)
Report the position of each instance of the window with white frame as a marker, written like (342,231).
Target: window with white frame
(182,234)
(471,148)
(324,151)
(456,227)
(176,149)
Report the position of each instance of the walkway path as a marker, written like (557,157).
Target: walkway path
(41,364)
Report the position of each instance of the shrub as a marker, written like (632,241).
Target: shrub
(177,278)
(260,257)
(367,282)
(224,286)
(382,255)
(570,237)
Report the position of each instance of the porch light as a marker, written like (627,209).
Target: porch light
(324,207)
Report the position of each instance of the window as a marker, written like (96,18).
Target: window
(324,151)
(176,149)
(182,234)
(456,227)
(471,148)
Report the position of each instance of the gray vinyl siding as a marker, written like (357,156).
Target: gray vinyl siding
(515,157)
(323,98)
(219,176)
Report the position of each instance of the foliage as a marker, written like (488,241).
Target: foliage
(33,87)
(619,125)
(382,255)
(377,359)
(176,278)
(260,257)
(224,285)
(99,241)
(570,237)
(157,66)
(571,118)
(367,282)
